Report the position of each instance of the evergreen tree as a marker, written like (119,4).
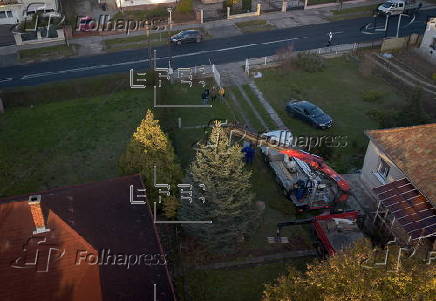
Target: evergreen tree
(150,147)
(228,197)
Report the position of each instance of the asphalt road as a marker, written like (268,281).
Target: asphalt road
(217,51)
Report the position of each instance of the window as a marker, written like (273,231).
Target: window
(383,169)
(2,14)
(9,13)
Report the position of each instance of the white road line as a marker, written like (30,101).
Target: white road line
(37,75)
(5,79)
(190,54)
(236,47)
(279,41)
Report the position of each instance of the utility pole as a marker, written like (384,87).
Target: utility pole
(170,10)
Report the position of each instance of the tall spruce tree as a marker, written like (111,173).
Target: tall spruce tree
(149,147)
(228,194)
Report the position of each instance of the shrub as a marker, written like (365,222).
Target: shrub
(184,6)
(310,62)
(230,3)
(372,96)
(285,56)
(433,76)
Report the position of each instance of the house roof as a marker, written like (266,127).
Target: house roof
(44,280)
(102,215)
(408,207)
(413,150)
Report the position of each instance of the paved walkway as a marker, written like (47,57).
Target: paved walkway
(233,75)
(272,113)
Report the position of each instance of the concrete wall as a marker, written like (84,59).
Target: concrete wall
(430,34)
(369,174)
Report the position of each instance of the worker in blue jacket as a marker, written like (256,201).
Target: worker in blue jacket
(249,152)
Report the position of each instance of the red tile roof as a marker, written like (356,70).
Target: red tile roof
(102,214)
(413,150)
(54,276)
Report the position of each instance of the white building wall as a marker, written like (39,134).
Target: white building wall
(369,173)
(428,44)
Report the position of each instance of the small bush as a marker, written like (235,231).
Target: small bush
(372,96)
(433,76)
(184,6)
(286,57)
(310,62)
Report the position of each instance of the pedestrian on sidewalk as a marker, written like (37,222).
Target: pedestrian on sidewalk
(222,94)
(330,39)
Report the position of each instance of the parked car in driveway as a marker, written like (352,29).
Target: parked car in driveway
(187,36)
(308,112)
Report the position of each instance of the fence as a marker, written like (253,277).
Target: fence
(216,75)
(325,51)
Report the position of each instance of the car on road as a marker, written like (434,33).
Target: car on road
(187,36)
(308,112)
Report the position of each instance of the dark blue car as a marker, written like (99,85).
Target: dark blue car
(308,112)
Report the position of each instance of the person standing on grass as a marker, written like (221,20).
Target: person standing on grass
(205,97)
(222,92)
(213,93)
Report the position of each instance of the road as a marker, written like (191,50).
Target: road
(217,51)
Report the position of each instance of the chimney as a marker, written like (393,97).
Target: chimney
(38,218)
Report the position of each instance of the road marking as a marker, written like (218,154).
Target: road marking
(190,54)
(37,75)
(279,41)
(5,79)
(236,47)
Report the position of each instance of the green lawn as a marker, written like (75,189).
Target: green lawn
(80,140)
(139,38)
(338,91)
(236,284)
(353,12)
(254,26)
(37,54)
